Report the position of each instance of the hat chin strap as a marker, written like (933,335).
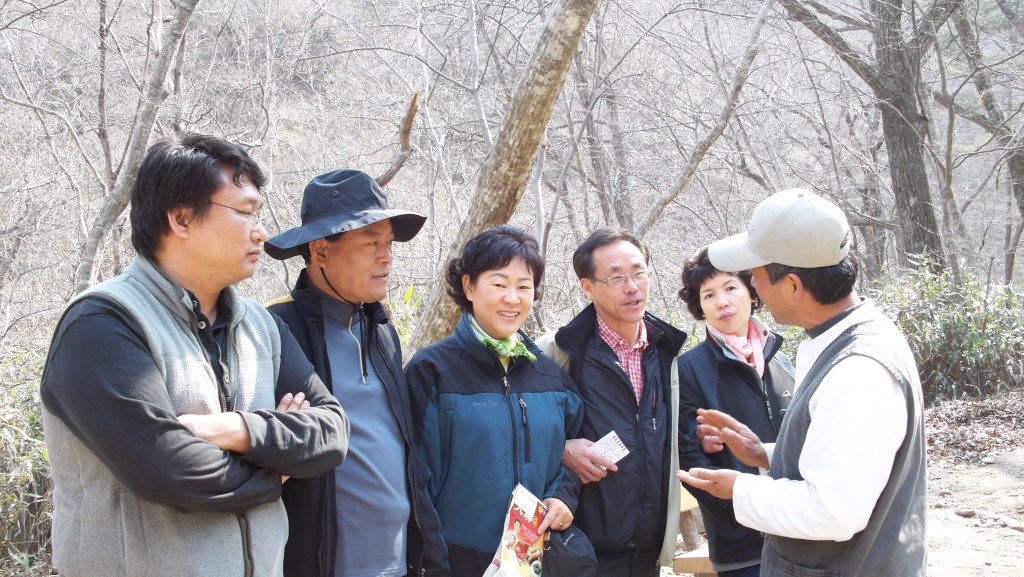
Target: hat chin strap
(323,273)
(364,326)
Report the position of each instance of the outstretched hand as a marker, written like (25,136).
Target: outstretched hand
(718,482)
(742,442)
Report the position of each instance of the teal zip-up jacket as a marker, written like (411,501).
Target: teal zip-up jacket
(481,429)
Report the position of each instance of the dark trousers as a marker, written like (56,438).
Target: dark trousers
(751,571)
(630,562)
(467,562)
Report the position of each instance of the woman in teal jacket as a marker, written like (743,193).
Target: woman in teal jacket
(490,410)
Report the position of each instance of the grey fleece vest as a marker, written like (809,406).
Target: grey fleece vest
(100,529)
(893,543)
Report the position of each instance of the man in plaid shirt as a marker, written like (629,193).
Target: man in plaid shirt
(622,360)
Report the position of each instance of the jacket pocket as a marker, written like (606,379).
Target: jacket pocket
(526,428)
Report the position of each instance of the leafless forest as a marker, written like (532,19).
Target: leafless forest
(672,119)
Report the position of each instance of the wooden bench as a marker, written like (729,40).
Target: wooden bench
(695,560)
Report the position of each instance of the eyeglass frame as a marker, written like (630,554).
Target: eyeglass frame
(625,279)
(254,215)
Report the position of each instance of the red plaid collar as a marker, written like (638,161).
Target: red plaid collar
(616,342)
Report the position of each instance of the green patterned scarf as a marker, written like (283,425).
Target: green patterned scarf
(510,347)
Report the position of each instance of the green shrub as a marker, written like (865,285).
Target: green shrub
(968,339)
(25,496)
(403,314)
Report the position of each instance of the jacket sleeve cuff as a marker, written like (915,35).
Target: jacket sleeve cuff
(258,450)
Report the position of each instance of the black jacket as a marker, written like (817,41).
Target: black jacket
(711,379)
(311,502)
(627,508)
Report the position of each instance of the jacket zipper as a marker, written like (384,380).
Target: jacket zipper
(326,501)
(243,525)
(641,450)
(512,424)
(639,441)
(321,570)
(763,389)
(410,470)
(526,427)
(654,409)
(226,405)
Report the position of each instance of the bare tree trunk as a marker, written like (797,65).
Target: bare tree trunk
(904,124)
(893,80)
(620,191)
(1010,251)
(559,188)
(506,170)
(987,94)
(874,236)
(1011,15)
(152,98)
(474,74)
(592,139)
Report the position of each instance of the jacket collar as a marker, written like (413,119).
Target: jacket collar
(173,296)
(772,343)
(575,335)
(309,298)
(466,338)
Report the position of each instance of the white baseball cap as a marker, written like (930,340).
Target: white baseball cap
(794,227)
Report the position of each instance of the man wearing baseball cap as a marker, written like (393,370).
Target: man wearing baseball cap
(845,489)
(372,514)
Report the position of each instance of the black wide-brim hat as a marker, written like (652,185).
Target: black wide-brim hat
(341,201)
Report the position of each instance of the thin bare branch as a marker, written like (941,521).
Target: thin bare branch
(723,120)
(405,148)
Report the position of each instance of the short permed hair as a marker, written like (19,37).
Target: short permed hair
(696,271)
(492,249)
(183,174)
(583,257)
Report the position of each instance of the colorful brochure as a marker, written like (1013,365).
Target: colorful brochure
(521,548)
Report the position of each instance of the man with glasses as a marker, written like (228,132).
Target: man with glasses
(623,360)
(174,409)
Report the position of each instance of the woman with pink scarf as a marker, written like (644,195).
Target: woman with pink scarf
(738,369)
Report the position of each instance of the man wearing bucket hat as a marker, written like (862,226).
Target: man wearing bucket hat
(371,515)
(845,491)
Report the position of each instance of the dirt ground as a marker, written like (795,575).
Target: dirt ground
(971,512)
(975,488)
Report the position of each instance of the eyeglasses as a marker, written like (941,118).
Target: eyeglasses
(254,217)
(620,280)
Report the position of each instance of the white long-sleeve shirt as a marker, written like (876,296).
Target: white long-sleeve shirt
(858,422)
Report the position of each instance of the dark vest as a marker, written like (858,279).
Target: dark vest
(893,543)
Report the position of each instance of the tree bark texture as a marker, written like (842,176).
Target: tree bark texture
(506,170)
